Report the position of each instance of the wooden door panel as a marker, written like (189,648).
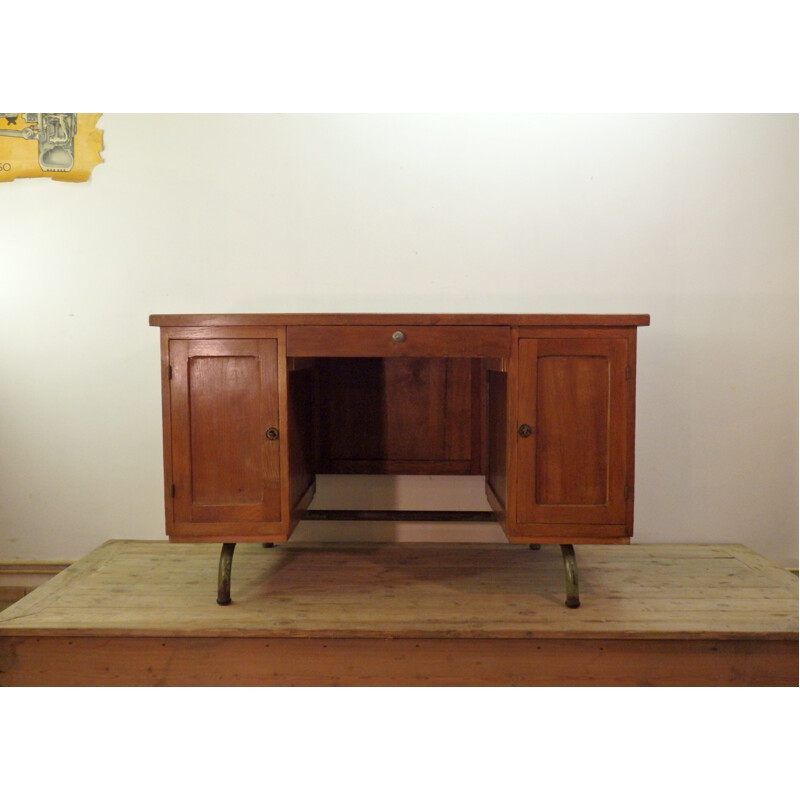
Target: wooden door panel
(224,399)
(571,468)
(572,409)
(224,402)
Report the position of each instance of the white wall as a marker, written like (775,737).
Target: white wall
(692,219)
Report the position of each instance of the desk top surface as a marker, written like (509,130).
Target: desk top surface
(550,320)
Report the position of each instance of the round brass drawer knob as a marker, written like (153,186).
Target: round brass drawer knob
(398,336)
(272,434)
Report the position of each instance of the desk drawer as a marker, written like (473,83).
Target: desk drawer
(452,341)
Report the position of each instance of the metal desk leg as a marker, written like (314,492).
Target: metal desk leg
(224,579)
(571,575)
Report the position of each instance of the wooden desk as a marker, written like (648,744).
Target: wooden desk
(256,405)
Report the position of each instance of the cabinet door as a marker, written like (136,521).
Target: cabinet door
(225,458)
(571,454)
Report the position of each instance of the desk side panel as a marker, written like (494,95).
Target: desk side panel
(303,396)
(496,440)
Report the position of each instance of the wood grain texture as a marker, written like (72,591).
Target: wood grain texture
(211,661)
(255,320)
(572,393)
(447,341)
(223,398)
(464,590)
(400,394)
(226,430)
(496,435)
(302,437)
(572,435)
(10,594)
(399,416)
(700,614)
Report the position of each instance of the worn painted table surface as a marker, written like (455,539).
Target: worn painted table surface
(145,614)
(142,588)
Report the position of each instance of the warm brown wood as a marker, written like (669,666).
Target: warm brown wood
(478,446)
(139,613)
(166,431)
(496,435)
(630,432)
(398,415)
(224,400)
(572,393)
(208,661)
(450,341)
(561,320)
(296,364)
(229,531)
(572,414)
(567,533)
(302,433)
(444,396)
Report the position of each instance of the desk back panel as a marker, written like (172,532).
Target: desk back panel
(400,416)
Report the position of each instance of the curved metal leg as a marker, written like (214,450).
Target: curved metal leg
(224,578)
(570,575)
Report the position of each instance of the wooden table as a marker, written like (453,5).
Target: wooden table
(139,613)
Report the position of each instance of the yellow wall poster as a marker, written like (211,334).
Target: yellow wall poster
(64,147)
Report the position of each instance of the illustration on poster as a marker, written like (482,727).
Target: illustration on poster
(61,140)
